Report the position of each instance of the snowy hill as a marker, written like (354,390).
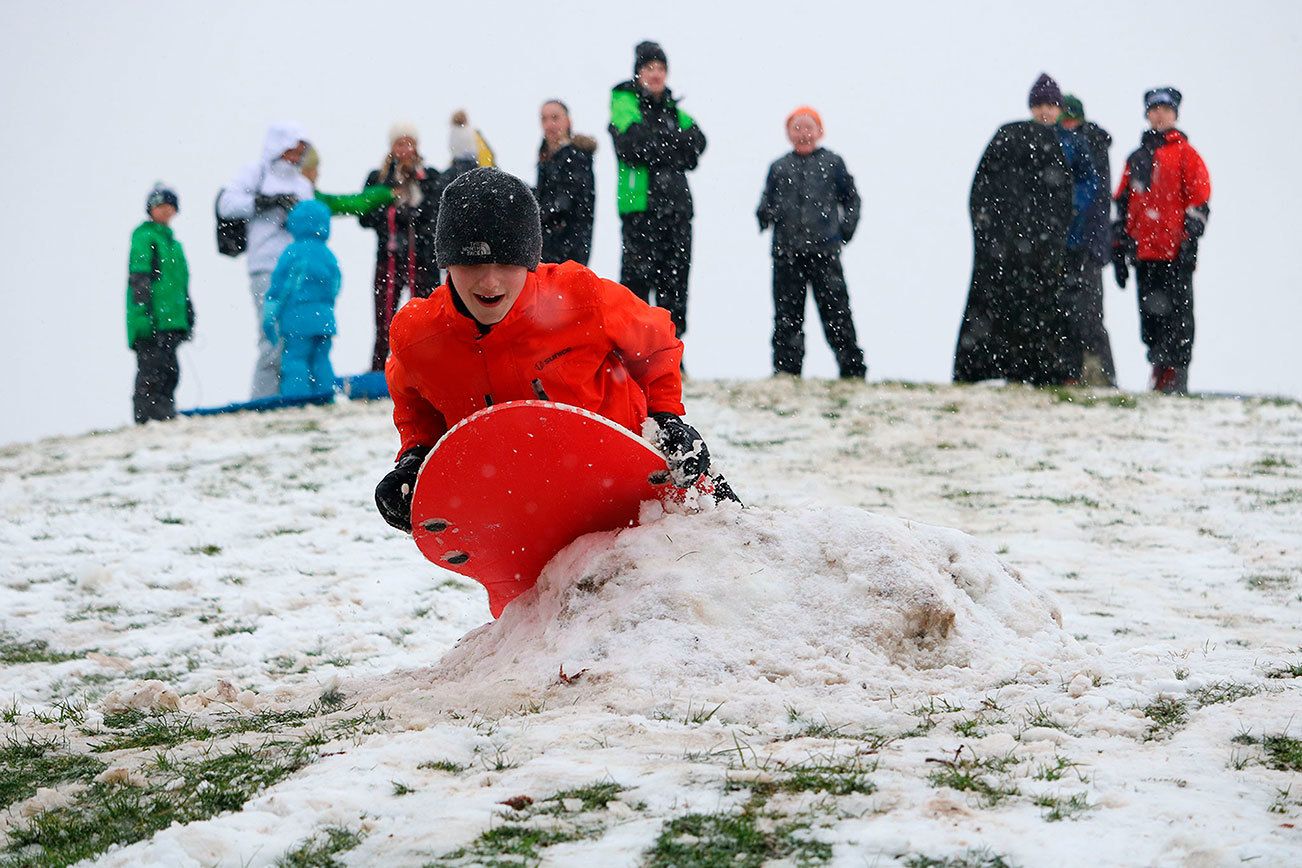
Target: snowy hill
(214,652)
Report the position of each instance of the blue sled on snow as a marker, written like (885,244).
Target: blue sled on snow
(360,387)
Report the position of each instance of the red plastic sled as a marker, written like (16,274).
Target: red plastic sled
(511,485)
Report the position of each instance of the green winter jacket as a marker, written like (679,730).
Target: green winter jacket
(356,204)
(634,179)
(158,284)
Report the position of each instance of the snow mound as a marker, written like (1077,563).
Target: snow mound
(755,606)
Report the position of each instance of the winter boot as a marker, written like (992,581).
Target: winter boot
(1163,379)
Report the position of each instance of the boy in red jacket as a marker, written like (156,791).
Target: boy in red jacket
(1162,210)
(507,328)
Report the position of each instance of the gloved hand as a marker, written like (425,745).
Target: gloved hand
(281,200)
(1119,266)
(1194,226)
(393,494)
(684,450)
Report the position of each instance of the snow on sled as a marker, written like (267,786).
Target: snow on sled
(510,486)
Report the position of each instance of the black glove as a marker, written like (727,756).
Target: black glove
(282,200)
(1194,226)
(393,494)
(684,450)
(1119,266)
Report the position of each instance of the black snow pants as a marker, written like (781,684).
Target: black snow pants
(792,276)
(157,373)
(657,258)
(1091,348)
(1166,315)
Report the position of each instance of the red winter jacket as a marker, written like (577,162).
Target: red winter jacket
(1154,213)
(588,342)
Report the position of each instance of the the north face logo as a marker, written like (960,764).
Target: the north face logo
(477,248)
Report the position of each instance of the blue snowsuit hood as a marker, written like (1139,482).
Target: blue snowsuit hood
(301,299)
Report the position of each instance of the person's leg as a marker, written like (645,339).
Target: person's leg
(832,298)
(382,290)
(145,396)
(674,253)
(169,343)
(295,367)
(636,269)
(1074,302)
(1098,368)
(1180,334)
(323,373)
(266,371)
(788,316)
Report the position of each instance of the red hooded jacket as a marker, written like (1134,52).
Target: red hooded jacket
(588,342)
(1155,212)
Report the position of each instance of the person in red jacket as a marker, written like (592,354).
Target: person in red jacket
(1162,211)
(506,328)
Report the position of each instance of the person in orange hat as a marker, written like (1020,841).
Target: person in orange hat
(812,205)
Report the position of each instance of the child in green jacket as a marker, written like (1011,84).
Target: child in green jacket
(159,313)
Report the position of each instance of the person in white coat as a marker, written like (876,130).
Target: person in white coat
(263,193)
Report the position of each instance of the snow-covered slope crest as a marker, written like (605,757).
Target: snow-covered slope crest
(753,606)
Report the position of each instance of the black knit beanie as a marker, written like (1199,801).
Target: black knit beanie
(488,216)
(162,195)
(1045,91)
(646,52)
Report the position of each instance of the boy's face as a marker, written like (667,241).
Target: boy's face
(1161,117)
(162,214)
(804,134)
(652,76)
(488,291)
(555,122)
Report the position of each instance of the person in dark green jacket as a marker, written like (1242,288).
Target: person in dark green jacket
(657,144)
(159,313)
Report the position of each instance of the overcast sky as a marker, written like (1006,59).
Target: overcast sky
(101,99)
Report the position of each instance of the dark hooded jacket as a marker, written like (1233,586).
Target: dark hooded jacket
(811,203)
(1014,326)
(567,200)
(405,233)
(656,144)
(1098,229)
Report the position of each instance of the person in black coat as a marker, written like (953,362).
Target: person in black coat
(404,230)
(1087,254)
(811,202)
(1015,325)
(566,190)
(656,145)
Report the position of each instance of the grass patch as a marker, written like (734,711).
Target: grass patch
(31,763)
(13,651)
(320,850)
(443,766)
(183,792)
(1057,808)
(232,629)
(985,777)
(163,730)
(1283,752)
(1223,691)
(1269,581)
(1167,715)
(1287,670)
(209,550)
(727,840)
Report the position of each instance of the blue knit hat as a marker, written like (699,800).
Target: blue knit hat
(1163,96)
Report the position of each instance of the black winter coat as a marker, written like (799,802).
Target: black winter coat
(667,151)
(811,203)
(1098,224)
(410,224)
(1015,326)
(567,200)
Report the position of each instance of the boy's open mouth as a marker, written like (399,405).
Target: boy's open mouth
(489,300)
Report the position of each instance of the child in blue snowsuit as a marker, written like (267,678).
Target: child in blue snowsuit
(299,311)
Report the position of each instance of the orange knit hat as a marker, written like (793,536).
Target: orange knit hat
(806,110)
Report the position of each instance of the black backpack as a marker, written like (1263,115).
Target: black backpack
(232,235)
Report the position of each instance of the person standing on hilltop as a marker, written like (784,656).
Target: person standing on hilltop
(1163,203)
(566,189)
(656,144)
